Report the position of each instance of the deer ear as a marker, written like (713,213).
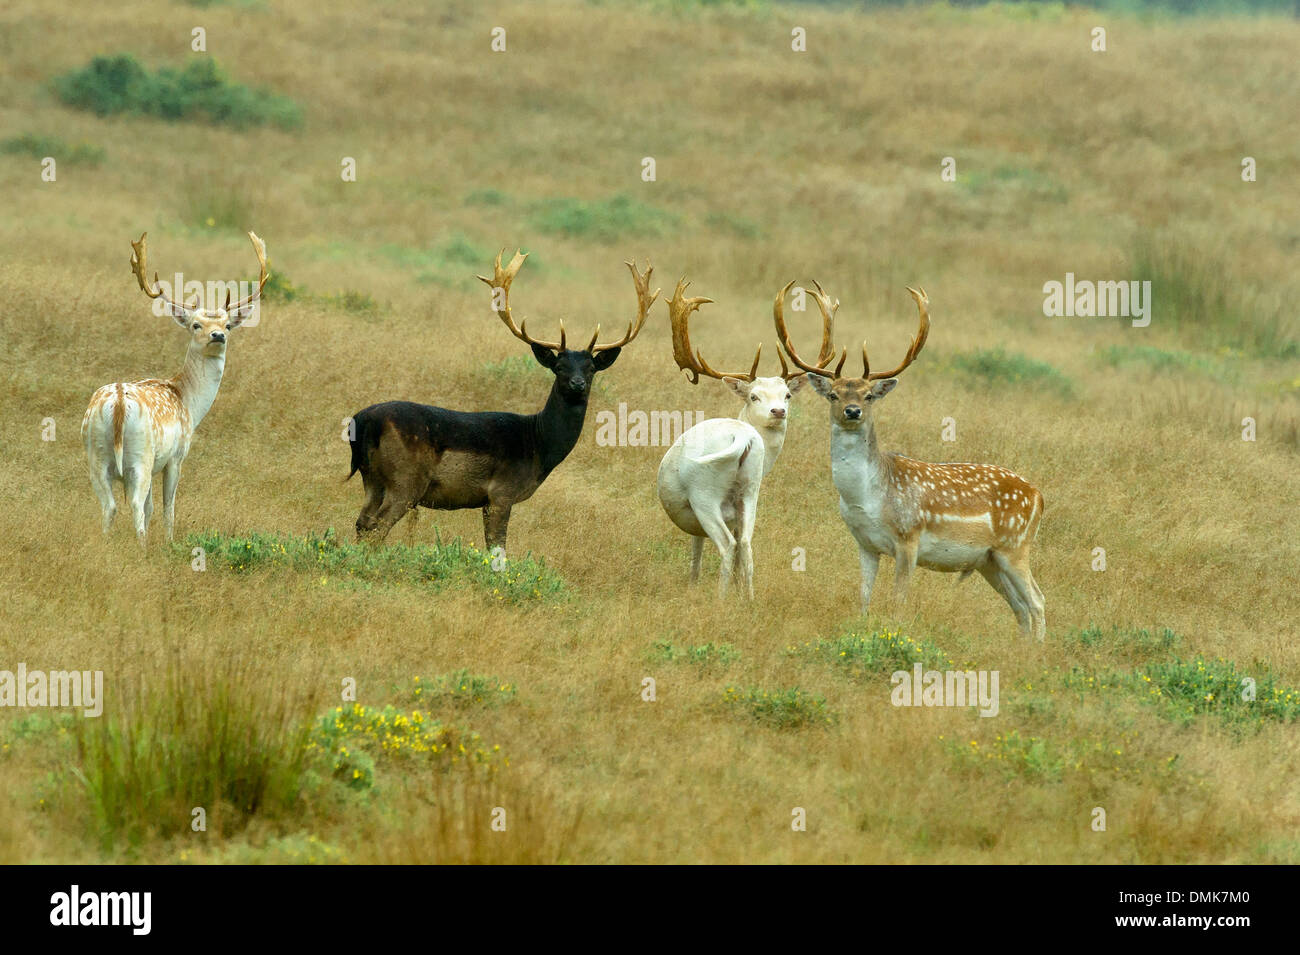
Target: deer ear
(798,381)
(180,315)
(882,388)
(821,383)
(739,386)
(545,357)
(603,359)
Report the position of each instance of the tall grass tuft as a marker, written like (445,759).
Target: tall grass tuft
(1197,290)
(212,734)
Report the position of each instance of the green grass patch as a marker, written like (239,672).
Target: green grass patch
(860,653)
(1017,754)
(1189,689)
(461,690)
(601,220)
(1012,181)
(199,91)
(38,147)
(325,558)
(792,708)
(1160,359)
(351,741)
(1140,643)
(704,655)
(1000,367)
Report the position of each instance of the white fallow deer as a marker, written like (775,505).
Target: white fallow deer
(710,477)
(138,429)
(947,517)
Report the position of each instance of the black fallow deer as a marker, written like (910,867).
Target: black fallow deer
(412,455)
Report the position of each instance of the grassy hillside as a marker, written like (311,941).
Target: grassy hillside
(771,165)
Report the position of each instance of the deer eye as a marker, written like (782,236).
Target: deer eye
(835,397)
(196,326)
(227,328)
(753,397)
(787,397)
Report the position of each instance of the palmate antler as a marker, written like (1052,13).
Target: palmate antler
(260,248)
(828,351)
(689,358)
(139,266)
(503,277)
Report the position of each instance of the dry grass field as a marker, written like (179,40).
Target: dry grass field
(771,165)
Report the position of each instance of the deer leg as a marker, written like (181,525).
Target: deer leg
(723,539)
(904,564)
(1001,582)
(374,499)
(697,555)
(870,562)
(171,477)
(390,512)
(496,518)
(1041,604)
(138,482)
(412,523)
(747,510)
(101,480)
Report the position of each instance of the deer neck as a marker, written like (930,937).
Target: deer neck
(199,381)
(857,466)
(557,428)
(773,437)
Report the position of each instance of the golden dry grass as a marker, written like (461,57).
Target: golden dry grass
(823,165)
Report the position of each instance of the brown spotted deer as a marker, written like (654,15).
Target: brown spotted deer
(413,455)
(947,517)
(709,479)
(136,430)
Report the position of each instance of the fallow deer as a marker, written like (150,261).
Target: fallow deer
(413,455)
(947,517)
(709,480)
(135,430)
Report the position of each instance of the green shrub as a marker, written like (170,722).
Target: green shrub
(1000,367)
(352,740)
(326,557)
(784,709)
(197,91)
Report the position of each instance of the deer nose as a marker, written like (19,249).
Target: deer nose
(578,384)
(778,412)
(218,336)
(853,411)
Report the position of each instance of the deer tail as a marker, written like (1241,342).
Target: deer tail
(119,425)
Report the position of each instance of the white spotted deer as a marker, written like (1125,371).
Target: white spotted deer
(946,517)
(709,480)
(136,430)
